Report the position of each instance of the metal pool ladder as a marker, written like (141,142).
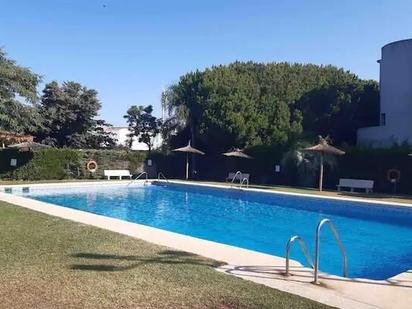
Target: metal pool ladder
(317,248)
(161,175)
(244,181)
(234,178)
(138,176)
(304,248)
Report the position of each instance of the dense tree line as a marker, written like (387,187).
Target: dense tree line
(17,83)
(249,104)
(236,105)
(69,116)
(65,115)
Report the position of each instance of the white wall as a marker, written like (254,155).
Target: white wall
(121,134)
(395,97)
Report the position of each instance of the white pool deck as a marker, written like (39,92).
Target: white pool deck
(395,292)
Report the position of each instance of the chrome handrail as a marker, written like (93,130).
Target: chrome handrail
(138,176)
(234,177)
(160,174)
(317,248)
(244,180)
(304,249)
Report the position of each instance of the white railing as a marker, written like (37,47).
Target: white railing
(138,177)
(161,175)
(302,246)
(315,265)
(317,248)
(244,181)
(234,178)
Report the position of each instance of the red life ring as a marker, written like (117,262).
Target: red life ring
(393,175)
(91,166)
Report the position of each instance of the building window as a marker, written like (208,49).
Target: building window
(383,119)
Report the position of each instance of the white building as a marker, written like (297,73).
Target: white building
(121,134)
(395,98)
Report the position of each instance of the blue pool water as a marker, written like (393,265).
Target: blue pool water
(378,239)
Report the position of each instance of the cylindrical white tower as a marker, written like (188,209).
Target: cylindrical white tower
(396,87)
(395,97)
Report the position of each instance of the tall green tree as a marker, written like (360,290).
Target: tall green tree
(142,125)
(184,101)
(18,84)
(251,104)
(69,113)
(98,137)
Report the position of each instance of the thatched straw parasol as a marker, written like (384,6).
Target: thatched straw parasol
(238,153)
(28,146)
(323,148)
(188,149)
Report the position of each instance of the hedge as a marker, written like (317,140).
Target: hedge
(374,165)
(112,159)
(69,163)
(357,163)
(65,163)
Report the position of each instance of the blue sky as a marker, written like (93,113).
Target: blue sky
(130,50)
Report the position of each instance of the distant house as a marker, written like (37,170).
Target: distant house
(395,98)
(121,134)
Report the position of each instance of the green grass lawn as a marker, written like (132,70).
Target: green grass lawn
(47,262)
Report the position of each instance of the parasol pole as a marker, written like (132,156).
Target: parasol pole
(321,172)
(187,165)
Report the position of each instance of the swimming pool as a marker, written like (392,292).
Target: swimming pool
(377,238)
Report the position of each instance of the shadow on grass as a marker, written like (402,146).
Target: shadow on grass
(164,257)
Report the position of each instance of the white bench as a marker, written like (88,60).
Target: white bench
(117,173)
(238,176)
(356,184)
